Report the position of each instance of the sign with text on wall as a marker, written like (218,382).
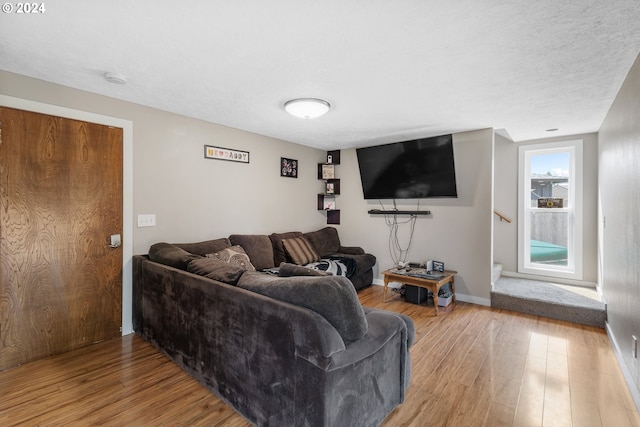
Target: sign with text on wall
(219,153)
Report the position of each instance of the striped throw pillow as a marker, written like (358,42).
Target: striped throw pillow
(300,250)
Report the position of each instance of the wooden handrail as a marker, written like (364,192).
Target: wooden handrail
(502,217)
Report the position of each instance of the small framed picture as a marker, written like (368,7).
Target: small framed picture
(288,167)
(438,266)
(329,204)
(330,188)
(328,172)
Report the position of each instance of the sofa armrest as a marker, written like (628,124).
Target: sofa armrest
(351,250)
(387,334)
(313,336)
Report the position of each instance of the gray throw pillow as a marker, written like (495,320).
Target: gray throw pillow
(325,241)
(234,255)
(258,247)
(332,297)
(168,254)
(287,270)
(206,247)
(216,269)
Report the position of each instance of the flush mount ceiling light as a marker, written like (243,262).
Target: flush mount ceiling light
(307,108)
(115,78)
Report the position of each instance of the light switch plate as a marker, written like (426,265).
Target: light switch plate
(148,220)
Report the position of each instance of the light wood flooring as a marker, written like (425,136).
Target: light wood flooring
(472,366)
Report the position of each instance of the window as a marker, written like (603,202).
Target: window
(550,209)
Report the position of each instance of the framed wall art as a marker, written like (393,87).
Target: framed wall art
(288,167)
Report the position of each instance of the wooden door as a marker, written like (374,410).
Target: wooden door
(60,201)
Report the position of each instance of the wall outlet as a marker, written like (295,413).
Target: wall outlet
(634,346)
(147,220)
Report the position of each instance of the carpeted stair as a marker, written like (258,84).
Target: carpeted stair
(552,300)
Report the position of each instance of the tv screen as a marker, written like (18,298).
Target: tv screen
(416,169)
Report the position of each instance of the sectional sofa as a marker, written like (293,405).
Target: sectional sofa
(292,347)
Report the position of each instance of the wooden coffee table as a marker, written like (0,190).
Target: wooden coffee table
(434,285)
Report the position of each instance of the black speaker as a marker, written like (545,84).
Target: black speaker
(415,294)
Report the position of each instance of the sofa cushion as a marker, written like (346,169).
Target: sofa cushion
(300,250)
(258,247)
(287,270)
(325,241)
(216,269)
(205,247)
(168,254)
(279,254)
(333,297)
(234,255)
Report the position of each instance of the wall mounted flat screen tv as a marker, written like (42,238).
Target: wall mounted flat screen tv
(416,169)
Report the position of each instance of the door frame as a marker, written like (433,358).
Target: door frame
(127,184)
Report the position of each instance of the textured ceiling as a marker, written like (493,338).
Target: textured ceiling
(391,70)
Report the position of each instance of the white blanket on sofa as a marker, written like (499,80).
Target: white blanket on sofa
(335,266)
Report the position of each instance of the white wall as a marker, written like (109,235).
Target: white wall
(459,230)
(619,148)
(505,239)
(195,198)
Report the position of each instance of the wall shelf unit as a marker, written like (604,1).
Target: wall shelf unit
(327,199)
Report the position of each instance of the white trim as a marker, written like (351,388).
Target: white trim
(573,270)
(628,377)
(473,300)
(127,185)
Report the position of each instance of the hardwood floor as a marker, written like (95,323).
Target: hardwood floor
(471,366)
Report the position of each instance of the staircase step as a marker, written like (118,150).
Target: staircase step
(551,300)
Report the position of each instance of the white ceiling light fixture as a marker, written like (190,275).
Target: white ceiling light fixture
(307,108)
(116,78)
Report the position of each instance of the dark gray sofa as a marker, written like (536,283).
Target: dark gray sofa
(282,351)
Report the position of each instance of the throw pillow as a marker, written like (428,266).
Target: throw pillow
(300,250)
(234,255)
(258,247)
(168,254)
(206,247)
(325,241)
(216,269)
(287,270)
(279,254)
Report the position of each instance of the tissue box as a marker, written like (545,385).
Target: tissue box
(445,300)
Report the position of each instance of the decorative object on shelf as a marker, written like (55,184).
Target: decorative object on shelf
(329,203)
(327,171)
(307,108)
(219,153)
(330,187)
(333,157)
(288,167)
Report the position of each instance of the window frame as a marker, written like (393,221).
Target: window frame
(574,210)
